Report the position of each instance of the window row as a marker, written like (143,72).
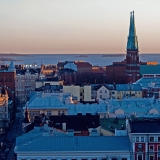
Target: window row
(81,159)
(151,139)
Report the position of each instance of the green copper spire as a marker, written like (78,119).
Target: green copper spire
(132,43)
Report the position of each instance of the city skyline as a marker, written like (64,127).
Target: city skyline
(90,26)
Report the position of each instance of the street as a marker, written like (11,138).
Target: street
(15,131)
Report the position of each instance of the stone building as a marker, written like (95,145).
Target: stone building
(6,111)
(25,81)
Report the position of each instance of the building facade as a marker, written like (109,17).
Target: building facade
(145,139)
(6,110)
(83,93)
(7,78)
(25,81)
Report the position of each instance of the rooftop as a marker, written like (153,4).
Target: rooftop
(149,69)
(149,126)
(37,140)
(128,87)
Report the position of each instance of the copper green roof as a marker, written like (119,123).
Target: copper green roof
(132,43)
(149,69)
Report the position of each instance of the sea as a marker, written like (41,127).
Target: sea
(94,59)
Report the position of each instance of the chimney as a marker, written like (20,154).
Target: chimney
(93,132)
(70,132)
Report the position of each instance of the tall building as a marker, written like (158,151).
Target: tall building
(132,56)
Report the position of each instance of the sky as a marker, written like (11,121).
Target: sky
(77,26)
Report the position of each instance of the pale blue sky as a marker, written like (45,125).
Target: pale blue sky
(77,26)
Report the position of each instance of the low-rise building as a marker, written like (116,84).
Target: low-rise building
(127,90)
(83,92)
(50,143)
(47,81)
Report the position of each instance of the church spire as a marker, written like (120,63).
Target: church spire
(26,118)
(132,43)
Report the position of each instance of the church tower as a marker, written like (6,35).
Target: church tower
(132,56)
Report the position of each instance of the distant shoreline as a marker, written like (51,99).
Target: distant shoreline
(13,54)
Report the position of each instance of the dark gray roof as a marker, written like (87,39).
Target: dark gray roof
(81,143)
(31,70)
(145,126)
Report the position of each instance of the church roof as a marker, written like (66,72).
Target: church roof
(132,43)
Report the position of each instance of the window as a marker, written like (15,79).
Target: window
(59,112)
(151,157)
(139,148)
(100,91)
(151,139)
(158,156)
(101,96)
(137,139)
(105,91)
(142,139)
(158,148)
(139,157)
(158,139)
(49,113)
(112,92)
(151,148)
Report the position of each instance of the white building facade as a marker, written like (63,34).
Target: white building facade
(25,82)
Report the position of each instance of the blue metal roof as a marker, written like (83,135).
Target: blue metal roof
(128,87)
(145,82)
(149,69)
(81,143)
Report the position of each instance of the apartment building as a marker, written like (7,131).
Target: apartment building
(25,81)
(83,92)
(145,139)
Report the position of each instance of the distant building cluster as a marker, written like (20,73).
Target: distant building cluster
(76,111)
